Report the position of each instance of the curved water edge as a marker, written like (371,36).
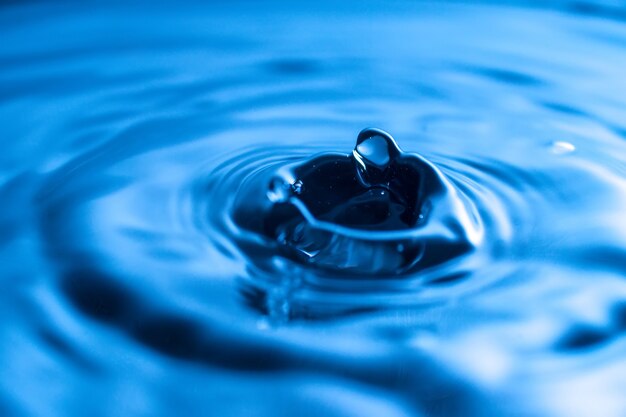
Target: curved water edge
(139,261)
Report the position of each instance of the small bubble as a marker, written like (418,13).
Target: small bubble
(561,147)
(297,187)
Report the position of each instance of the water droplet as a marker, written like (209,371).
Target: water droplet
(297,187)
(374,155)
(562,147)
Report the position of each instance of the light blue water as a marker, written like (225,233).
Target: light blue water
(132,136)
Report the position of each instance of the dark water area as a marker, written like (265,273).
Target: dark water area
(192,224)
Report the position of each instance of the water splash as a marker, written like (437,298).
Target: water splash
(376,211)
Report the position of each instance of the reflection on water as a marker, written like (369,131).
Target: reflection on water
(145,145)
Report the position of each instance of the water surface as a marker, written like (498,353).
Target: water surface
(129,287)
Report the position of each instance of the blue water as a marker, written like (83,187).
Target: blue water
(167,247)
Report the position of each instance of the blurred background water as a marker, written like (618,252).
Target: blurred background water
(126,131)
